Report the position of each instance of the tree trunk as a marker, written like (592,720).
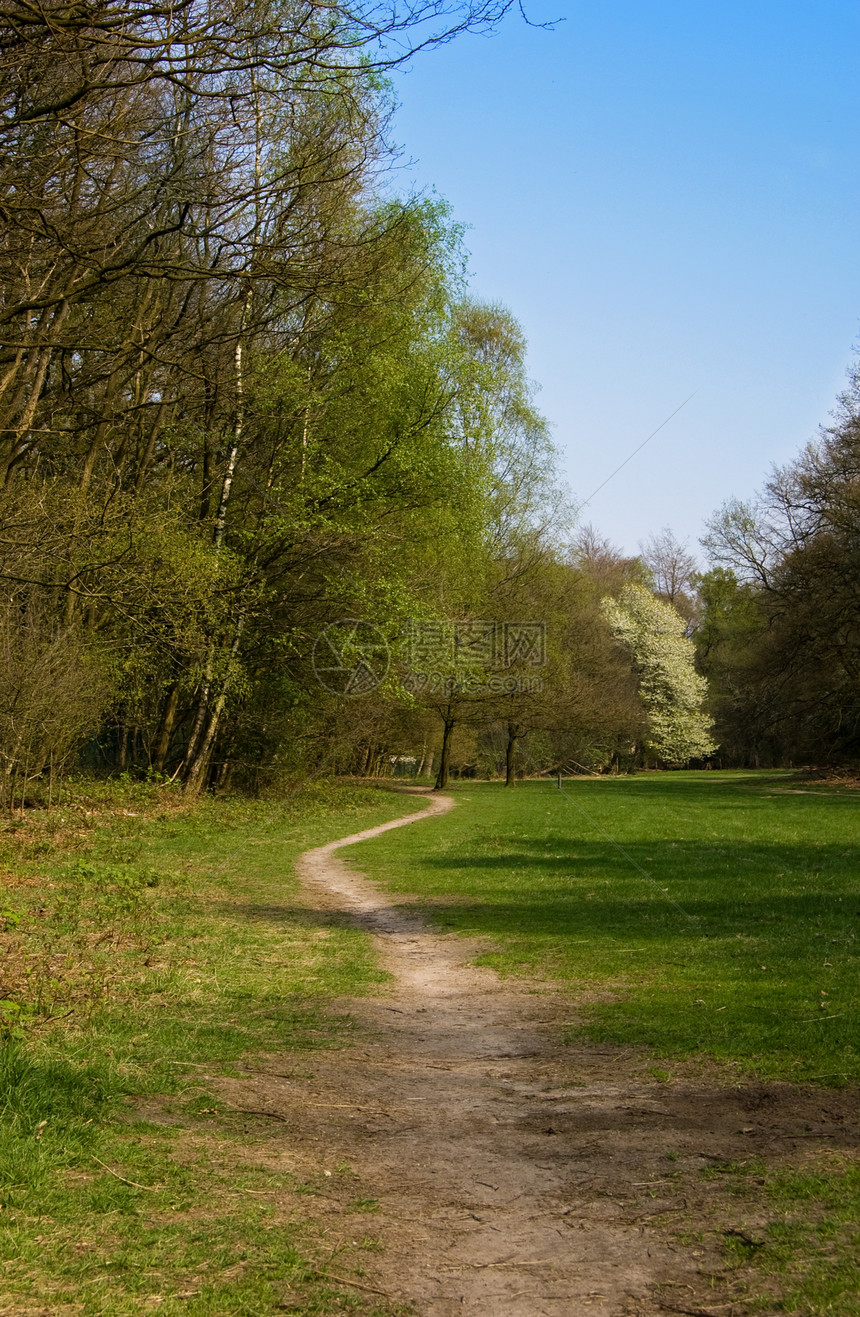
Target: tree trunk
(442,776)
(165,729)
(200,762)
(200,715)
(198,765)
(200,743)
(513,737)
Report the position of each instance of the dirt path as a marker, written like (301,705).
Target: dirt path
(513,1176)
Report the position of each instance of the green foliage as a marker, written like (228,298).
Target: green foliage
(256,399)
(787,641)
(728,641)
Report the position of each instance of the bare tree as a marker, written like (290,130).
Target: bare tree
(603,562)
(673,568)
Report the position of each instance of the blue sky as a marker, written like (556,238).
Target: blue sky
(666,196)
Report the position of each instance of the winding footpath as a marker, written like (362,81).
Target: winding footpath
(512,1176)
(470,1165)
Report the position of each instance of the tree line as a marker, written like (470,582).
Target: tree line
(779,635)
(247,397)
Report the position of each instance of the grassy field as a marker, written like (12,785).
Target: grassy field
(144,945)
(702,915)
(719,911)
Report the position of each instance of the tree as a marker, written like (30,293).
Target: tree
(672,691)
(728,640)
(52,691)
(241,396)
(568,709)
(600,560)
(673,569)
(795,549)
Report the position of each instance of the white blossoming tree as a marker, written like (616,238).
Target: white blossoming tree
(672,691)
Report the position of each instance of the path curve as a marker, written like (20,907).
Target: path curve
(457,1105)
(503,1172)
(410,951)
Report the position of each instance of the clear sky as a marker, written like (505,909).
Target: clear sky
(665,193)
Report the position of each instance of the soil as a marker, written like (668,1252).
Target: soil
(502,1171)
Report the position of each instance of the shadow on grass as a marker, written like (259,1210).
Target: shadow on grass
(286,916)
(36,1090)
(744,949)
(722,889)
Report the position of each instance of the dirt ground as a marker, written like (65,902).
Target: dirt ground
(504,1173)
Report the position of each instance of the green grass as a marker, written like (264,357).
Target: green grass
(719,912)
(809,1247)
(700,915)
(815,1247)
(144,946)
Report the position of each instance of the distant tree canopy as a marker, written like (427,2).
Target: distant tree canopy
(780,631)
